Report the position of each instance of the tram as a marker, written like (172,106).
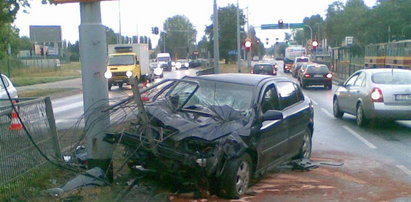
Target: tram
(396,54)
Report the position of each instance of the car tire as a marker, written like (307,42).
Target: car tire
(336,109)
(109,86)
(328,86)
(120,85)
(360,119)
(236,177)
(306,146)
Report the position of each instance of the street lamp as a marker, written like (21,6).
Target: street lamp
(311,32)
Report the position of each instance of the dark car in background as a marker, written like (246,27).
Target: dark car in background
(315,74)
(372,94)
(228,127)
(264,68)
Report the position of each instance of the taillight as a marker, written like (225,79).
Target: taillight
(307,75)
(329,76)
(376,95)
(274,71)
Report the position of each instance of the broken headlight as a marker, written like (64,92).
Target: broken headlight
(199,146)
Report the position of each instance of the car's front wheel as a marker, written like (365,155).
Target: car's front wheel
(236,177)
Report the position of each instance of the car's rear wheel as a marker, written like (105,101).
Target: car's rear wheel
(120,85)
(306,147)
(328,86)
(360,118)
(109,85)
(236,177)
(336,109)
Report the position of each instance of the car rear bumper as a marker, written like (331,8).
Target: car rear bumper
(383,111)
(316,81)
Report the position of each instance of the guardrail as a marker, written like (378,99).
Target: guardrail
(18,155)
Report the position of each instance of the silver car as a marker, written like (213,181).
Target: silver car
(10,88)
(375,94)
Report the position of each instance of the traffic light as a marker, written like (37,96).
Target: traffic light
(247,45)
(280,23)
(314,44)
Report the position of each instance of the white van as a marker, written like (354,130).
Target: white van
(164,61)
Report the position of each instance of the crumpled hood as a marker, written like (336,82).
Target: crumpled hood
(203,127)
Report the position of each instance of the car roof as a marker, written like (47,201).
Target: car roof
(263,63)
(237,78)
(377,70)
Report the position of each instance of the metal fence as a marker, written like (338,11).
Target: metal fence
(18,155)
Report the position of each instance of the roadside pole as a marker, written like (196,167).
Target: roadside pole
(238,39)
(216,36)
(93,55)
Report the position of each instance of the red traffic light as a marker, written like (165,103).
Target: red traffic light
(247,45)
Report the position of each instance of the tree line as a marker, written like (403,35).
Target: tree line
(387,20)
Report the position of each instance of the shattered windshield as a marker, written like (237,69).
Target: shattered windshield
(211,93)
(117,60)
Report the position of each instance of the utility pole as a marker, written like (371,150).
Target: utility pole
(216,36)
(93,55)
(119,39)
(238,39)
(249,52)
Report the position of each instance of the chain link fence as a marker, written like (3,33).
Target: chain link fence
(18,155)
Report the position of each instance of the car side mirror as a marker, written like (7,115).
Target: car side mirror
(272,115)
(138,62)
(174,100)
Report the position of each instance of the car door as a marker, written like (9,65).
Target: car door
(355,93)
(344,93)
(296,114)
(272,135)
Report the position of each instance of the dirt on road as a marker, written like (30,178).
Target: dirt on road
(358,179)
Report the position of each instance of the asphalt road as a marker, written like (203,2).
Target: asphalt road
(388,141)
(377,158)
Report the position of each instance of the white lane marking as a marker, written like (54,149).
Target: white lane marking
(67,107)
(327,113)
(404,169)
(358,136)
(314,102)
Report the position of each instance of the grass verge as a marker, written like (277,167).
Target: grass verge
(34,75)
(45,92)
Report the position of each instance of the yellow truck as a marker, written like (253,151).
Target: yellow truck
(126,61)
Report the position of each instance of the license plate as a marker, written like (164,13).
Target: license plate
(403,97)
(118,80)
(317,76)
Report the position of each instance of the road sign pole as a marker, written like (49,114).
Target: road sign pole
(93,57)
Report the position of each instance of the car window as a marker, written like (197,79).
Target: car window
(360,80)
(318,69)
(392,78)
(302,59)
(270,99)
(350,82)
(5,82)
(263,67)
(288,94)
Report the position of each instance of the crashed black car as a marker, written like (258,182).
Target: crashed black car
(227,128)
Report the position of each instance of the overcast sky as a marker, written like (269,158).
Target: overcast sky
(138,16)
